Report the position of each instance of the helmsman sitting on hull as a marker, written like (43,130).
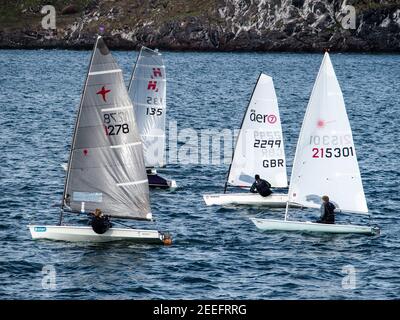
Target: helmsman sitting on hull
(261,186)
(99,222)
(327,211)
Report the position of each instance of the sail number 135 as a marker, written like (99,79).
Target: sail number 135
(332,152)
(154,111)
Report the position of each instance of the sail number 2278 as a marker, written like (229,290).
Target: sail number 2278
(332,152)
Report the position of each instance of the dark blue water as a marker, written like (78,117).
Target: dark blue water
(217,253)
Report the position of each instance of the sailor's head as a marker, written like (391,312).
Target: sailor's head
(97,213)
(257,177)
(325,198)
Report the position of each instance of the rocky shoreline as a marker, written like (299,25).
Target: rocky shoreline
(208,25)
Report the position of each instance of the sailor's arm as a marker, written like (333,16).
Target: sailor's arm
(323,211)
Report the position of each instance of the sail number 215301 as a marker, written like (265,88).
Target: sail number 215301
(332,152)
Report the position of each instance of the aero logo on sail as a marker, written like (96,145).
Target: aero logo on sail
(262,118)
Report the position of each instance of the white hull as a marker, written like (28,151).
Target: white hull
(308,226)
(275,200)
(86,234)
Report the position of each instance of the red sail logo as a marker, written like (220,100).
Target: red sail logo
(152,85)
(103,93)
(157,72)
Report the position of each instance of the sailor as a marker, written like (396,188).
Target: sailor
(100,223)
(261,186)
(327,211)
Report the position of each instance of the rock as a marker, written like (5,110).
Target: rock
(70,9)
(267,25)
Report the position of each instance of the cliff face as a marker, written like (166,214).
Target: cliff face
(284,25)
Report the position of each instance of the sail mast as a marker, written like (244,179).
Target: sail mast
(259,148)
(106,167)
(147,90)
(134,69)
(240,130)
(75,129)
(325,161)
(298,141)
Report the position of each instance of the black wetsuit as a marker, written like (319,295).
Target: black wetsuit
(100,224)
(327,213)
(262,187)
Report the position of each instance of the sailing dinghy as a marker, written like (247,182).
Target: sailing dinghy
(325,162)
(106,164)
(259,150)
(147,90)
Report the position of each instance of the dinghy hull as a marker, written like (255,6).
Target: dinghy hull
(86,234)
(155,181)
(275,200)
(308,226)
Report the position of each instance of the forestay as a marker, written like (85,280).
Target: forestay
(325,161)
(106,167)
(147,90)
(259,148)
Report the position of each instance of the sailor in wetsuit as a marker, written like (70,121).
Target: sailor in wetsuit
(100,223)
(327,211)
(261,186)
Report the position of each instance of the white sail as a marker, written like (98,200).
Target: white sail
(147,90)
(260,148)
(325,162)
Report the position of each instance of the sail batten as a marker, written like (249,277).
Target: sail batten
(147,89)
(106,168)
(259,147)
(325,162)
(104,72)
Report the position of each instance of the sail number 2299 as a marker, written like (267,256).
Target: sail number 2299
(332,152)
(259,143)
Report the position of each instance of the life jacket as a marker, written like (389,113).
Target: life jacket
(263,188)
(100,224)
(329,213)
